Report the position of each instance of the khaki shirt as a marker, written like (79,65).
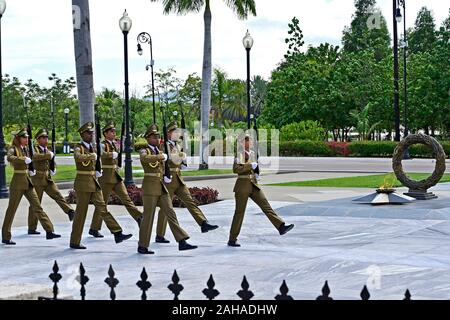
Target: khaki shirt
(41,161)
(20,180)
(85,180)
(109,165)
(153,165)
(246,176)
(176,160)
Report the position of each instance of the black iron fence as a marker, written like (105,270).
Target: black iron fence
(176,287)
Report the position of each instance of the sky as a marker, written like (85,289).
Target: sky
(37,36)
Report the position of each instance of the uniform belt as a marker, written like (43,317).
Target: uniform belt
(175,169)
(42,172)
(105,166)
(246,176)
(158,175)
(86,173)
(20,171)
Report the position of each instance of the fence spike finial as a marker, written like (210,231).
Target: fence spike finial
(245,294)
(325,292)
(284,293)
(407,295)
(83,281)
(210,292)
(365,295)
(175,286)
(144,284)
(112,282)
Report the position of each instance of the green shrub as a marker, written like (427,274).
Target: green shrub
(304,130)
(372,148)
(305,149)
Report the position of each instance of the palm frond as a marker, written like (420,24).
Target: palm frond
(242,8)
(181,7)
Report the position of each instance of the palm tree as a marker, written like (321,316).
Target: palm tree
(83,59)
(242,8)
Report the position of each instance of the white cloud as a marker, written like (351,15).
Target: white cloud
(37,36)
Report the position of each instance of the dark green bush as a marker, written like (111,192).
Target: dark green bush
(372,148)
(305,149)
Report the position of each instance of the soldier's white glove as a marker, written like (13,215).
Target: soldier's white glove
(254,165)
(52,173)
(167,180)
(115,155)
(51,154)
(27,160)
(165,157)
(32,173)
(98,174)
(95,156)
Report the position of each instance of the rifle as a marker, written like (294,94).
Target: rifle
(183,127)
(98,164)
(30,136)
(52,161)
(255,127)
(122,134)
(167,173)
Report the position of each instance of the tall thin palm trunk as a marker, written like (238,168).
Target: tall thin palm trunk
(206,88)
(83,60)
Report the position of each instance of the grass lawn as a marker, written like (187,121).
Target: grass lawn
(373,181)
(68,173)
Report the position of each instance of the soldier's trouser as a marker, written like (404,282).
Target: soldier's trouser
(14,201)
(83,199)
(241,204)
(165,203)
(121,191)
(182,192)
(52,191)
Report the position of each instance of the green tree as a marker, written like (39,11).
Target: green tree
(423,37)
(367,31)
(295,38)
(242,8)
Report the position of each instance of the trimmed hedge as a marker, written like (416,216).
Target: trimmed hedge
(305,149)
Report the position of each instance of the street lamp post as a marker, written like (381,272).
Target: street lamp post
(396,18)
(145,37)
(125,25)
(248,44)
(404,46)
(66,140)
(3,188)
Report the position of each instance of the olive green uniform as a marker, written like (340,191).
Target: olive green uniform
(178,187)
(43,182)
(21,185)
(88,189)
(112,181)
(156,194)
(247,187)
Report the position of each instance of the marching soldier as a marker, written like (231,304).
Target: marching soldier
(178,187)
(247,187)
(156,194)
(111,181)
(21,185)
(43,181)
(88,189)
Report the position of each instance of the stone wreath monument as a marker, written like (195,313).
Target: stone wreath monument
(419,189)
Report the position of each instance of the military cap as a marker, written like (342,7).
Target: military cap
(109,125)
(172,126)
(22,133)
(152,130)
(41,133)
(88,126)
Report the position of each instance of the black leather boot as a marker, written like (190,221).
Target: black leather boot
(95,233)
(285,229)
(183,246)
(120,237)
(208,227)
(233,243)
(51,235)
(160,239)
(143,250)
